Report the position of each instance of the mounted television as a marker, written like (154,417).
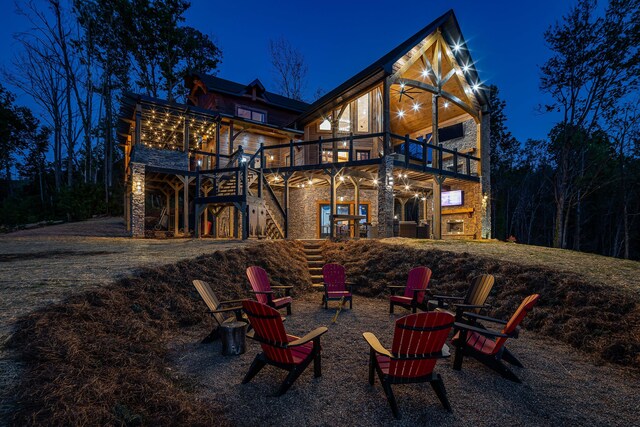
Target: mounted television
(452,198)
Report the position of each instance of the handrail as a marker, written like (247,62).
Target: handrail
(434,147)
(273,196)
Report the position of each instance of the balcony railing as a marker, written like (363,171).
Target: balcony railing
(343,151)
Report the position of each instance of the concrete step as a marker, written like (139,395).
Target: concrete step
(316,279)
(313,251)
(313,264)
(314,257)
(314,271)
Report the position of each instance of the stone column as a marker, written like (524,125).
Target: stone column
(485,178)
(385,198)
(137,199)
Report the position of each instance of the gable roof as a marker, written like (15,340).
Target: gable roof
(217,84)
(383,66)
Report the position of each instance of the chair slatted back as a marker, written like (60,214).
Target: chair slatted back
(416,339)
(268,327)
(259,282)
(335,277)
(525,307)
(209,298)
(479,291)
(418,279)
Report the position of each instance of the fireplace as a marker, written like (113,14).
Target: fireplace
(455,226)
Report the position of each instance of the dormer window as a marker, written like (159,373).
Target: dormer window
(251,114)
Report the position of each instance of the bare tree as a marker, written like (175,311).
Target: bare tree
(289,67)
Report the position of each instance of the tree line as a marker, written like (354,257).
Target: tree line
(578,187)
(75,62)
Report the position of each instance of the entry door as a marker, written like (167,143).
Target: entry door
(325,222)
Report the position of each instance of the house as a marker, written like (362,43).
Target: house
(238,161)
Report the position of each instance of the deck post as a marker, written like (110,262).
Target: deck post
(185,206)
(138,130)
(332,182)
(406,150)
(230,137)
(320,150)
(385,197)
(435,137)
(437,206)
(291,154)
(137,199)
(176,210)
(286,205)
(261,175)
(350,146)
(218,123)
(386,116)
(185,136)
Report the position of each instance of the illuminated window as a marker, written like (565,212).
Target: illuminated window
(363,113)
(249,114)
(363,155)
(344,124)
(325,125)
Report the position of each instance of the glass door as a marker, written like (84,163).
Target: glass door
(325,221)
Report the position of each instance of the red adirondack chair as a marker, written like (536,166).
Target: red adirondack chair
(263,290)
(280,349)
(418,342)
(488,346)
(413,297)
(335,285)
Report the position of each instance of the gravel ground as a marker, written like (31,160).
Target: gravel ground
(560,386)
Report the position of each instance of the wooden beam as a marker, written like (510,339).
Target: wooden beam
(430,40)
(454,99)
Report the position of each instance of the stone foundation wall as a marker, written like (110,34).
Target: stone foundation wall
(160,158)
(304,208)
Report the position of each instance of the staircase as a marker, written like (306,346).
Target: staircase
(312,251)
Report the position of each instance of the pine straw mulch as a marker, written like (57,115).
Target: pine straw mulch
(100,358)
(596,318)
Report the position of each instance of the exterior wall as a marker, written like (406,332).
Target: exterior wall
(303,208)
(467,144)
(160,158)
(472,219)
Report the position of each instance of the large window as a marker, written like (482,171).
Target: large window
(327,156)
(251,114)
(363,113)
(344,123)
(325,125)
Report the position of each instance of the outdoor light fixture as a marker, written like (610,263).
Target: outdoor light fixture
(271,157)
(400,113)
(417,195)
(395,217)
(375,181)
(342,178)
(446,104)
(389,182)
(139,187)
(310,182)
(406,187)
(401,85)
(456,47)
(416,106)
(199,162)
(342,198)
(423,198)
(465,68)
(476,87)
(425,73)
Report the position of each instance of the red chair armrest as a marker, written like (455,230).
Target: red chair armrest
(481,331)
(475,316)
(315,334)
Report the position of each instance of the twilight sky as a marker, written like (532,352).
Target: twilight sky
(340,38)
